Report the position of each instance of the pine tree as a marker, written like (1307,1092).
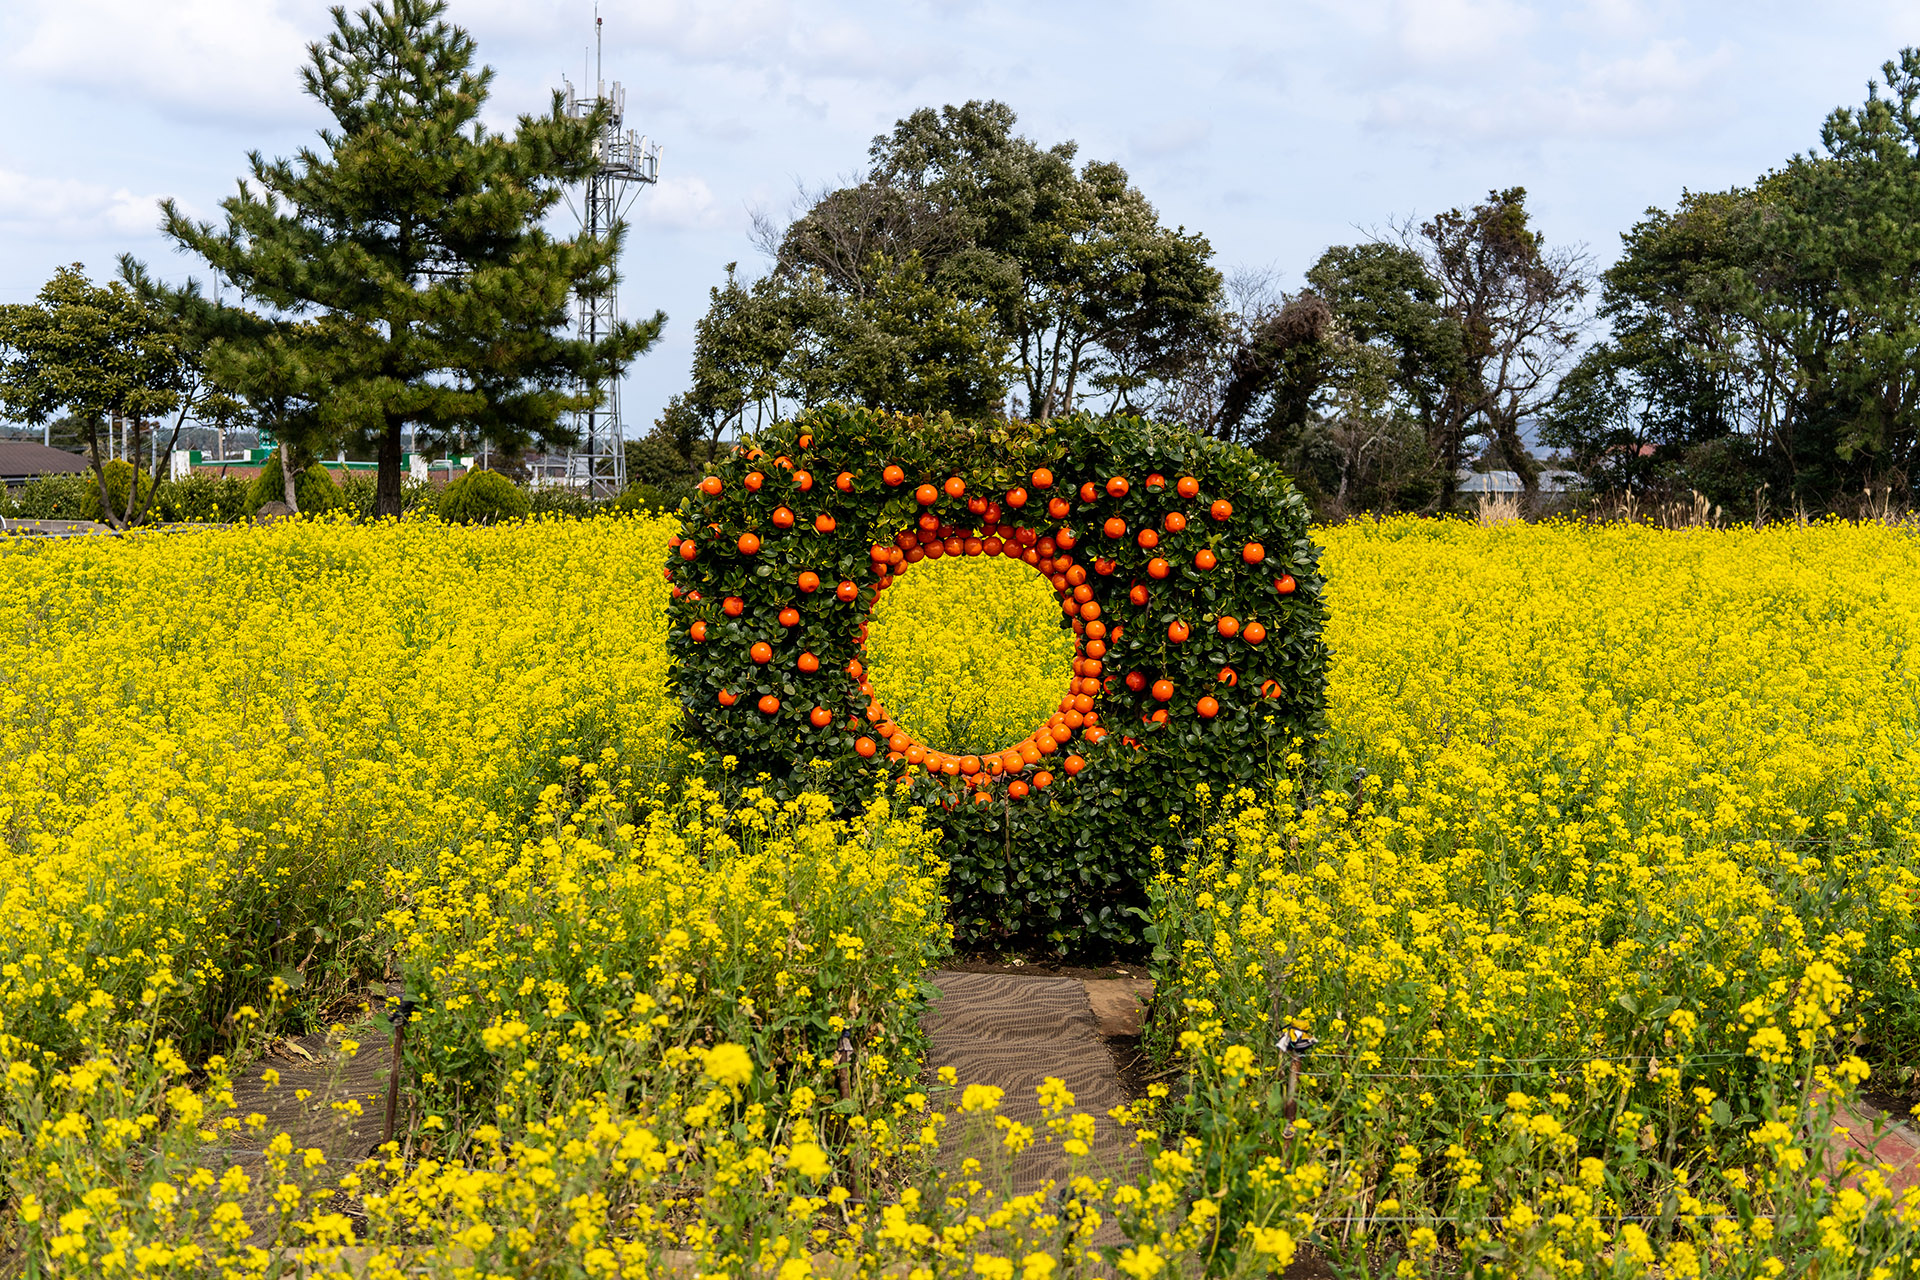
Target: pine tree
(405,257)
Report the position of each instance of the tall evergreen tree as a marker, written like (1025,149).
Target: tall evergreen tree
(406,254)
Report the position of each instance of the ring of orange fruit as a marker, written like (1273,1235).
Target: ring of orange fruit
(1182,565)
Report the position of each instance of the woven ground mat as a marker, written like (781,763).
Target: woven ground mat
(1014,1031)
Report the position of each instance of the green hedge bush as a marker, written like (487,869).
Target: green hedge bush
(313,487)
(483,497)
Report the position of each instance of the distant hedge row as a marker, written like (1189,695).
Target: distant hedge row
(480,497)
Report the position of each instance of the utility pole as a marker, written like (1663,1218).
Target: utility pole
(628,162)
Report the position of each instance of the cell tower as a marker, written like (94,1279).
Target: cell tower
(628,162)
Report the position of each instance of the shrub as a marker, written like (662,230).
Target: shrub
(201,498)
(362,488)
(58,497)
(313,487)
(483,497)
(120,475)
(553,500)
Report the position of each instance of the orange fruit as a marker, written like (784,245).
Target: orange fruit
(727,699)
(1030,752)
(1229,677)
(1148,539)
(916,754)
(710,486)
(733,606)
(1043,779)
(804,479)
(809,582)
(808,663)
(823,523)
(1096,736)
(950,766)
(1163,690)
(1136,681)
(1254,633)
(1158,568)
(783,518)
(755,480)
(1221,509)
(899,741)
(1116,486)
(1016,498)
(865,746)
(688,551)
(969,764)
(1253,553)
(1139,593)
(1115,527)
(1208,708)
(1083,593)
(1159,717)
(844,482)
(820,717)
(955,486)
(769,704)
(762,652)
(1187,487)
(893,475)
(1228,627)
(1177,631)
(1270,689)
(749,545)
(783,461)
(806,442)
(1090,610)
(1203,559)
(1284,584)
(973,546)
(1017,789)
(1058,508)
(698,631)
(926,495)
(1042,478)
(1175,522)
(789,617)
(1095,647)
(1156,481)
(1089,492)
(846,591)
(1073,765)
(1065,539)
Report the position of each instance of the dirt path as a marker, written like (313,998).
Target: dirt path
(1014,1031)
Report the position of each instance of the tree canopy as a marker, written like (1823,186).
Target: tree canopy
(403,263)
(966,261)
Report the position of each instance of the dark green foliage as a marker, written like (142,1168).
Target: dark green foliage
(314,489)
(202,498)
(483,497)
(411,245)
(60,497)
(1065,866)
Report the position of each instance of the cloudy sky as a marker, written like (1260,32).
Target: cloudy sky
(1276,129)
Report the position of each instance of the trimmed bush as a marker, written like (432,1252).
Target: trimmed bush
(1183,569)
(483,497)
(201,498)
(56,497)
(313,487)
(120,475)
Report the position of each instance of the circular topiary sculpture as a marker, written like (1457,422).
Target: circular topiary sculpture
(1183,567)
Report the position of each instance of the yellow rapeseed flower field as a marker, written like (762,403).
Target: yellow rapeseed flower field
(1564,956)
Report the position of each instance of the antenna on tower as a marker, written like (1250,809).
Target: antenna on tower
(628,162)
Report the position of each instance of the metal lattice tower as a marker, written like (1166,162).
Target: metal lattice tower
(628,163)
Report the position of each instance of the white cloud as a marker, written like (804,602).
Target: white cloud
(66,208)
(198,58)
(1177,136)
(1660,89)
(678,204)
